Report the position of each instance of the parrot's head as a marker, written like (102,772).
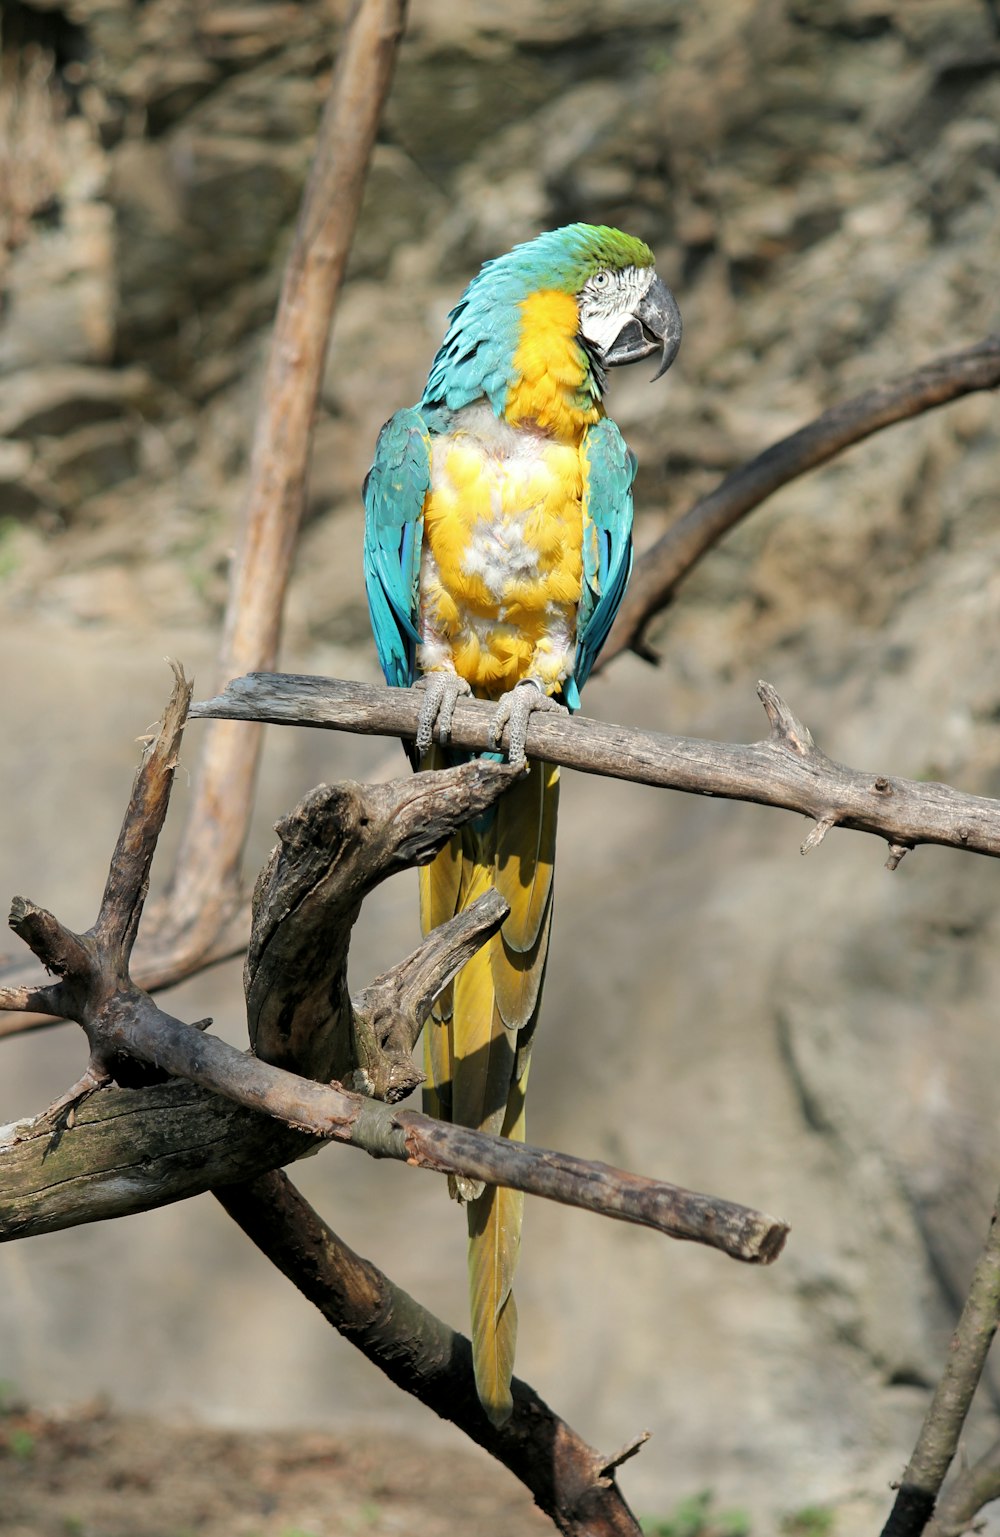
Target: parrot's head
(626,312)
(585,286)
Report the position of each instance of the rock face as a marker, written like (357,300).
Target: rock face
(821,184)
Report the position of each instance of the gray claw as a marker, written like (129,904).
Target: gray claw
(513,711)
(443,690)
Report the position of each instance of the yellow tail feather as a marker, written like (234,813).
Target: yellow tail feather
(478,1040)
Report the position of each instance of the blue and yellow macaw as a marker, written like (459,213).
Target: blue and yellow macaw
(498,542)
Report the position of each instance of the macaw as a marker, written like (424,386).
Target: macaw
(498,541)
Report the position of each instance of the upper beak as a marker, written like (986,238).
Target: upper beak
(655,327)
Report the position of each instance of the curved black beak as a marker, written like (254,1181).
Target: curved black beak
(654,327)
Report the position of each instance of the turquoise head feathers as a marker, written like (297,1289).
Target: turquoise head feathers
(476,357)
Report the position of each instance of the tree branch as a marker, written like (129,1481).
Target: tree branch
(658,572)
(966,1495)
(131,1024)
(942,1427)
(787,770)
(570,1481)
(205,891)
(334,848)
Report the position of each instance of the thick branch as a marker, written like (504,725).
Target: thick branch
(205,889)
(130,1150)
(569,1480)
(334,848)
(658,572)
(942,1427)
(787,770)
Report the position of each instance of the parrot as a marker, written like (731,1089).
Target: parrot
(498,543)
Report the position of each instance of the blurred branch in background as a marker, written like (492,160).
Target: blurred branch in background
(206,892)
(945,1419)
(204,917)
(659,570)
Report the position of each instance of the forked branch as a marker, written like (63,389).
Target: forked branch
(334,849)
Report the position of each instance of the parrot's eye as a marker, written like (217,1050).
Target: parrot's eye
(601,279)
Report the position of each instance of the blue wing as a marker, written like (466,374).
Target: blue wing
(394,495)
(609,470)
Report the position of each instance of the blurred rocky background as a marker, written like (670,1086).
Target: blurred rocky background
(821,182)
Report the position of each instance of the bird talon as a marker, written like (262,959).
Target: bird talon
(513,711)
(443,691)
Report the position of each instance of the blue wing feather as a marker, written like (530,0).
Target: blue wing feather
(609,470)
(394,494)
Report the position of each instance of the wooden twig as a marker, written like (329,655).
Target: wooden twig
(205,892)
(942,1426)
(787,770)
(570,1481)
(658,572)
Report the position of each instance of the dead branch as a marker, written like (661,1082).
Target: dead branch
(334,849)
(786,770)
(943,1422)
(205,896)
(129,1024)
(571,1482)
(658,572)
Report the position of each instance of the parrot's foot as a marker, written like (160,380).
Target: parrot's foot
(514,710)
(443,691)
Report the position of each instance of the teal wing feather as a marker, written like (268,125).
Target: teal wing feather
(394,495)
(609,470)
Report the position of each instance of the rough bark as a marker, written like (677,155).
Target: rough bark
(786,770)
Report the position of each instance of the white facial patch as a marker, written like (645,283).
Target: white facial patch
(608,302)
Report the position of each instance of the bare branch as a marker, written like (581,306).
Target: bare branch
(787,770)
(334,848)
(131,1024)
(205,889)
(131,1150)
(570,1481)
(966,1495)
(390,1012)
(128,876)
(658,572)
(942,1427)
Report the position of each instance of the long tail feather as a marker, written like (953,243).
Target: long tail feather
(478,1040)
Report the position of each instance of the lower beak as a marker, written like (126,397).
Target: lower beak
(655,327)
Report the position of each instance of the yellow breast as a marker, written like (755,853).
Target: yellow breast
(502,568)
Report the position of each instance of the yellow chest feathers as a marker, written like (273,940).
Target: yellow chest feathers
(549,370)
(502,564)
